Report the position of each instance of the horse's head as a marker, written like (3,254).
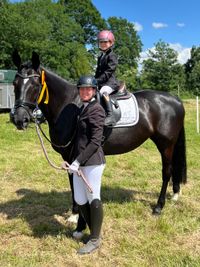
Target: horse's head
(27,87)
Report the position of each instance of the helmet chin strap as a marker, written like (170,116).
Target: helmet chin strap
(92,99)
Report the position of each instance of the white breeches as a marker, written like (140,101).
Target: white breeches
(106,89)
(93,176)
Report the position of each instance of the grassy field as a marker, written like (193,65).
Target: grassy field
(35,202)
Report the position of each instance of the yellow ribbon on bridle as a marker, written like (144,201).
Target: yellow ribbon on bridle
(44,89)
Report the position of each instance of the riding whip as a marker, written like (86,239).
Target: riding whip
(80,173)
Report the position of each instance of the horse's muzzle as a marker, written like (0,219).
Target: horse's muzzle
(20,117)
(22,125)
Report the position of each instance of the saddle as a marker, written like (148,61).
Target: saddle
(124,105)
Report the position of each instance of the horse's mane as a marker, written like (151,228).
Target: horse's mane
(57,78)
(52,75)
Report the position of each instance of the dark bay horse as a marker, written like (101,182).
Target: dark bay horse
(161,118)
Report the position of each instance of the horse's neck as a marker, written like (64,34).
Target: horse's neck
(61,93)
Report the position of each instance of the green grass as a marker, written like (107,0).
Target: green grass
(35,200)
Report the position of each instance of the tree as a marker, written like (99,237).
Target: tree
(161,71)
(8,33)
(43,26)
(192,70)
(87,16)
(3,2)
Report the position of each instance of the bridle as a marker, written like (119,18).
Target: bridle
(34,106)
(24,104)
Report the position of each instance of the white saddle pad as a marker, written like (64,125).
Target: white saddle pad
(129,112)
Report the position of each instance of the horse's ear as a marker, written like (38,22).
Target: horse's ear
(35,60)
(16,59)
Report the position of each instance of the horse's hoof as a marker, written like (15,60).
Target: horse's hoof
(175,197)
(73,218)
(157,211)
(77,235)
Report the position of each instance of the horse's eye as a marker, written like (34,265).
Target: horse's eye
(35,81)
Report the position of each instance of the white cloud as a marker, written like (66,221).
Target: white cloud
(158,25)
(184,53)
(137,26)
(180,24)
(144,55)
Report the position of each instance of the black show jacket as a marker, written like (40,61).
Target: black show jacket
(105,71)
(88,140)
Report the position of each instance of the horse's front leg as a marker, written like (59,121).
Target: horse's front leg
(166,174)
(74,204)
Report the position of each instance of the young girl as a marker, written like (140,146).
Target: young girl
(105,71)
(89,158)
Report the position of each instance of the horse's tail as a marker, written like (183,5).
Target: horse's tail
(179,164)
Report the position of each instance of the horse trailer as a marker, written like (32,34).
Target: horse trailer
(7,97)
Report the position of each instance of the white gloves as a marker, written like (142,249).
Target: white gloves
(74,167)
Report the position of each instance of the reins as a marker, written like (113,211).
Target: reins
(65,165)
(46,101)
(43,148)
(52,143)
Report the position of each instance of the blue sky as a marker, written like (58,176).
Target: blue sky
(176,22)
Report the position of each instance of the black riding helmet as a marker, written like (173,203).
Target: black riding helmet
(87,81)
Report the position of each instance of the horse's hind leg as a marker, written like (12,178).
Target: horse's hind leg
(176,189)
(166,174)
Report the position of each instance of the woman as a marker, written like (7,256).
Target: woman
(89,158)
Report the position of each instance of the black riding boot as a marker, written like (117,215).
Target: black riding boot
(96,219)
(110,120)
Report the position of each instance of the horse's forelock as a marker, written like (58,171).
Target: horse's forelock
(26,65)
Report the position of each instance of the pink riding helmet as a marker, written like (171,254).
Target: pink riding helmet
(106,36)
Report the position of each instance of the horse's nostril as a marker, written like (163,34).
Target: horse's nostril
(19,125)
(26,120)
(22,124)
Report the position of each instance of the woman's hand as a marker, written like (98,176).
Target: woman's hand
(74,167)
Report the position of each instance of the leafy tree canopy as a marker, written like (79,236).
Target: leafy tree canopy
(64,33)
(87,16)
(161,71)
(192,69)
(43,26)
